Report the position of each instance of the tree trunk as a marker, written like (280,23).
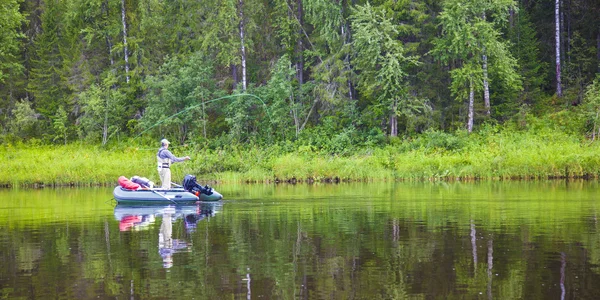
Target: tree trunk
(474,245)
(486,84)
(243,47)
(299,68)
(300,49)
(125,40)
(471,102)
(108,41)
(234,75)
(598,48)
(294,113)
(557,47)
(204,118)
(394,120)
(490,261)
(105,125)
(563,266)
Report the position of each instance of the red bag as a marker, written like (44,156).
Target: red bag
(128,184)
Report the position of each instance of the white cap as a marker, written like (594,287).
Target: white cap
(164,141)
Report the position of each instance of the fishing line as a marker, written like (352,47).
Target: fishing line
(206,102)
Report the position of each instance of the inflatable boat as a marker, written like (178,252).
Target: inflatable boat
(128,192)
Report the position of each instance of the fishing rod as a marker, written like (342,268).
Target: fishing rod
(209,101)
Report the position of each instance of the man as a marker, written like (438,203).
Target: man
(165,159)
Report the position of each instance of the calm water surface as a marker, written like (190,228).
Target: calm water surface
(502,240)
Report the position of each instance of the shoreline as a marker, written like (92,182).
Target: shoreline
(311,181)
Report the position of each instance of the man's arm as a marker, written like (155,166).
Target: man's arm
(173,158)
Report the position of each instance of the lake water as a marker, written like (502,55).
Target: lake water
(483,240)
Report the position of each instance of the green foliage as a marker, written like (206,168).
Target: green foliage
(525,47)
(24,120)
(435,139)
(342,71)
(180,90)
(102,110)
(380,58)
(580,68)
(11,20)
(60,124)
(279,94)
(590,109)
(471,30)
(49,73)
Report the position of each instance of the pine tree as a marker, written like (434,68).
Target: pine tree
(380,58)
(49,72)
(10,22)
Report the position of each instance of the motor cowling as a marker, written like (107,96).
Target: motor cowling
(189,184)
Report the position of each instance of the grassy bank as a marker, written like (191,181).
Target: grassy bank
(490,154)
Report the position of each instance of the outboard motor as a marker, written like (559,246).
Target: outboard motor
(190,185)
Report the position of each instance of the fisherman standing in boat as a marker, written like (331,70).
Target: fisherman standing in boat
(165,159)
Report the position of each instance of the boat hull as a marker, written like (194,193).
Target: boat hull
(158,196)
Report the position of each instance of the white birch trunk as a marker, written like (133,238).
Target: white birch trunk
(204,118)
(490,261)
(294,113)
(486,84)
(243,47)
(125,40)
(471,101)
(557,46)
(394,120)
(563,266)
(474,245)
(105,125)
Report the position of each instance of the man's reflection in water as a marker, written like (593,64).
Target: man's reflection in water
(167,245)
(165,240)
(140,218)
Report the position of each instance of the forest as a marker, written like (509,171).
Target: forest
(324,74)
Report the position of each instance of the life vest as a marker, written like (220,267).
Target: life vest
(163,163)
(128,184)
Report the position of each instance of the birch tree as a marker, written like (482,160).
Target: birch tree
(473,44)
(125,48)
(557,46)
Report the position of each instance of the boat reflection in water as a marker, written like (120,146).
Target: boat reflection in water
(134,218)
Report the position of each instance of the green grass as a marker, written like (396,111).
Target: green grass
(494,154)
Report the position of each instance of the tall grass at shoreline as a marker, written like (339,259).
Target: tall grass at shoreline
(434,156)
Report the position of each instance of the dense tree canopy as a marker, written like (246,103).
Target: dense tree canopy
(317,71)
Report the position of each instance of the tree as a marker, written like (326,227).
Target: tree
(380,60)
(102,107)
(49,73)
(279,94)
(60,124)
(10,22)
(177,95)
(557,34)
(24,119)
(591,107)
(467,38)
(125,48)
(525,47)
